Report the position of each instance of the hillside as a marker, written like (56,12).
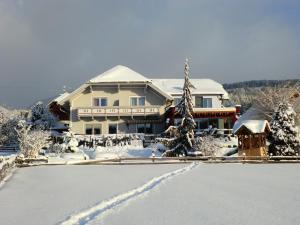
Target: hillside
(247,92)
(259,83)
(3,109)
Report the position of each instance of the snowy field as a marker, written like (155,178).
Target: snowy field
(47,195)
(178,194)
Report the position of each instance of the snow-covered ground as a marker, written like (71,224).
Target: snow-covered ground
(49,194)
(224,145)
(219,194)
(114,152)
(119,152)
(178,194)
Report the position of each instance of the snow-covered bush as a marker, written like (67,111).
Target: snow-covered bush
(41,117)
(284,136)
(30,141)
(207,145)
(70,143)
(56,148)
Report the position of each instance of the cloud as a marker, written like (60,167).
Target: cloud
(47,44)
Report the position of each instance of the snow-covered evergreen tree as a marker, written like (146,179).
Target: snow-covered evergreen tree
(284,137)
(8,123)
(184,142)
(41,117)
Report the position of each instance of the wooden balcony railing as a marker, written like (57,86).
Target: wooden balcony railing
(118,111)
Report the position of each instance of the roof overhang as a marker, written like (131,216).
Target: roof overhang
(86,85)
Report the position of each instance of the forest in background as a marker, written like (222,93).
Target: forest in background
(249,93)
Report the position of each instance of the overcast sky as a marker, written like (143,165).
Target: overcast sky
(45,45)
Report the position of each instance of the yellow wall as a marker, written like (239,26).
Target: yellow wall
(112,93)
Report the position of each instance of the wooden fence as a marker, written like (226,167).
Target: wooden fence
(205,159)
(8,149)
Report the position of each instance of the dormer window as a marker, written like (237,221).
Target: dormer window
(100,101)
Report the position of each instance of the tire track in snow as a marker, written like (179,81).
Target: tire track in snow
(102,207)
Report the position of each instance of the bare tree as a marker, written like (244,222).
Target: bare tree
(269,98)
(243,97)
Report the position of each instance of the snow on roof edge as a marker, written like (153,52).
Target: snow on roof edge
(255,126)
(119,73)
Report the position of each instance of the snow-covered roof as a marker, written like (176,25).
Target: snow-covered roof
(166,87)
(119,73)
(254,126)
(61,97)
(202,86)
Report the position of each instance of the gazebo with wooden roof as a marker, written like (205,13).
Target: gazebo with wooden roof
(252,137)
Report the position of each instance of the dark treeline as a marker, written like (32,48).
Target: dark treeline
(259,83)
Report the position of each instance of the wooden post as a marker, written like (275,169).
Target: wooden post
(242,142)
(250,140)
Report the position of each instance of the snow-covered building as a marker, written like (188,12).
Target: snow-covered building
(121,100)
(210,100)
(252,137)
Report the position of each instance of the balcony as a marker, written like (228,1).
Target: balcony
(215,112)
(118,111)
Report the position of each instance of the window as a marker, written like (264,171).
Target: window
(100,102)
(116,103)
(133,101)
(140,128)
(141,101)
(97,130)
(177,101)
(213,122)
(203,124)
(112,128)
(228,123)
(91,129)
(144,128)
(198,101)
(148,128)
(207,103)
(137,101)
